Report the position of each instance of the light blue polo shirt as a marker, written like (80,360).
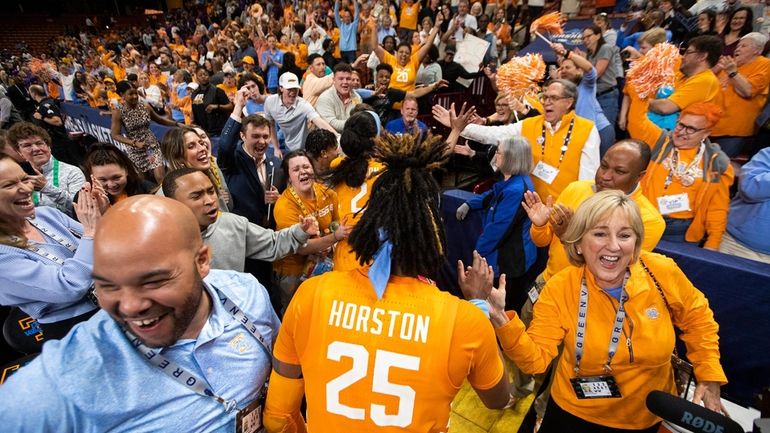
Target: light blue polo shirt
(93,380)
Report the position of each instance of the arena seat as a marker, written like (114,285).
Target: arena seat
(22,332)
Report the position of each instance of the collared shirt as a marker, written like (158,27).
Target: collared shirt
(261,170)
(397,126)
(333,110)
(93,380)
(292,119)
(49,291)
(589,158)
(59,192)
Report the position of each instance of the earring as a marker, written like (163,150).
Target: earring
(579,251)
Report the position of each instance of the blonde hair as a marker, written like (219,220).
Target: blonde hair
(654,36)
(595,209)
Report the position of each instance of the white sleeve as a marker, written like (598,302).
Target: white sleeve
(589,159)
(492,134)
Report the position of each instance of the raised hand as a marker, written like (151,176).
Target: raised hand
(441,115)
(537,211)
(459,121)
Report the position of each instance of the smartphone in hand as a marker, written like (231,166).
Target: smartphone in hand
(27,167)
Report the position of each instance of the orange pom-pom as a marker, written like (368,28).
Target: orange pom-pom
(548,23)
(654,70)
(521,76)
(36,65)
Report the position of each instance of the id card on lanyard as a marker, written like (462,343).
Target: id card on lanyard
(544,171)
(248,419)
(601,386)
(36,194)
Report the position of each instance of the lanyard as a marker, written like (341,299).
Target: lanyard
(299,202)
(564,146)
(60,240)
(187,379)
(35,194)
(617,327)
(684,175)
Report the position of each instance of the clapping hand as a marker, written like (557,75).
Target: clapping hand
(100,195)
(87,210)
(476,280)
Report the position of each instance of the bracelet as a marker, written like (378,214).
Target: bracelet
(567,53)
(334,235)
(732,74)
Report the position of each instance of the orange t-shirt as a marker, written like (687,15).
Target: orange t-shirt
(409,15)
(389,365)
(288,212)
(403,76)
(350,202)
(739,112)
(701,87)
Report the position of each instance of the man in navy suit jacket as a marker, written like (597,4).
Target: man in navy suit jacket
(254,177)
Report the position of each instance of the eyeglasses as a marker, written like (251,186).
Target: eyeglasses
(552,98)
(687,128)
(38,143)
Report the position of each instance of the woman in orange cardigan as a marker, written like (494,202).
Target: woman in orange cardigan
(689,177)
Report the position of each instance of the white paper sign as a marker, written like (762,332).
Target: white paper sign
(470,54)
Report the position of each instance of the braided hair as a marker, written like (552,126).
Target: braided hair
(357,142)
(405,203)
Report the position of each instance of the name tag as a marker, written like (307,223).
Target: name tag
(673,203)
(595,387)
(249,419)
(545,172)
(533,295)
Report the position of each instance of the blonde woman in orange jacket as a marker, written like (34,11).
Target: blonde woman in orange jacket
(613,291)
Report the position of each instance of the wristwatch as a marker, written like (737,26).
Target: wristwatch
(732,74)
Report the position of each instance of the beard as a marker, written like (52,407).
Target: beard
(181,318)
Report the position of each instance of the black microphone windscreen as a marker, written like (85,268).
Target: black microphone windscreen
(688,415)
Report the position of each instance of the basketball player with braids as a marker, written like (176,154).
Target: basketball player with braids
(381,348)
(352,177)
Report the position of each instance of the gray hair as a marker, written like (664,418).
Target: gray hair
(758,39)
(517,156)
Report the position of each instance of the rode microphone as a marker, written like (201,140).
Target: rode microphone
(688,415)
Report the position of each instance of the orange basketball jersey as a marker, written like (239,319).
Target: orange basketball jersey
(387,365)
(350,202)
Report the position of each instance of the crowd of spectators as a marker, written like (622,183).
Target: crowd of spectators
(301,140)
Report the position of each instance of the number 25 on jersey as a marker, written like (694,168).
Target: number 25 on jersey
(383,361)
